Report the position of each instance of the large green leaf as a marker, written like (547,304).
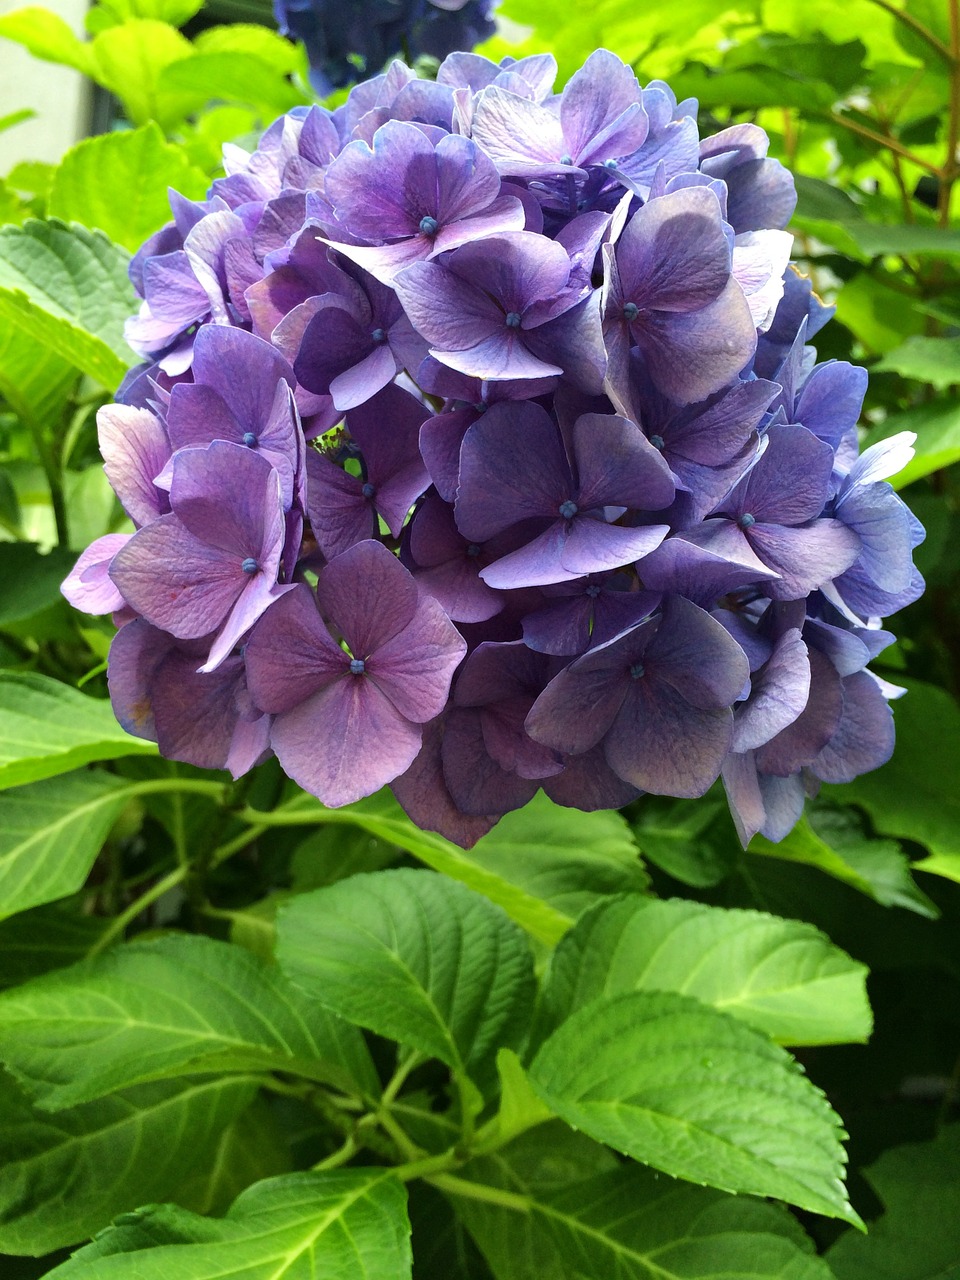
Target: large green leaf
(682,1087)
(349,1223)
(34,380)
(168,1007)
(933,360)
(782,976)
(627,1222)
(252,1148)
(45,938)
(915,795)
(66,289)
(416,957)
(51,833)
(130,59)
(136,165)
(66,1176)
(543,864)
(49,728)
(230,77)
(30,581)
(918,1237)
(47,36)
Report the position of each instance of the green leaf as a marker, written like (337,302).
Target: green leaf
(30,579)
(46,36)
(67,1176)
(877,868)
(35,381)
(627,1222)
(50,728)
(137,165)
(937,427)
(66,289)
(918,1237)
(130,60)
(259,42)
(915,795)
(229,77)
(174,12)
(679,1086)
(247,1151)
(543,864)
(51,833)
(45,938)
(783,977)
(13,118)
(415,957)
(122,1018)
(686,839)
(933,360)
(350,1223)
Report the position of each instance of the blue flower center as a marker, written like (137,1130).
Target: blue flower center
(566,159)
(357,666)
(378,336)
(746,520)
(593,590)
(249,439)
(368,490)
(630,312)
(568,509)
(429,226)
(657,442)
(610,164)
(473,550)
(250,566)
(513,320)
(637,670)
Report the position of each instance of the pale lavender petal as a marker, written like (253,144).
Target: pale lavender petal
(135,450)
(744,798)
(361,381)
(522,138)
(368,595)
(591,546)
(804,557)
(88,586)
(864,738)
(445,309)
(778,694)
(798,744)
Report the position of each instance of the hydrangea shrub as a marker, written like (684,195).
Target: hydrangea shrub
(479,447)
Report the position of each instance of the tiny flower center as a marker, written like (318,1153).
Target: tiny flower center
(630,312)
(566,159)
(250,566)
(249,439)
(657,442)
(378,336)
(746,520)
(593,590)
(513,320)
(368,490)
(357,666)
(610,164)
(637,670)
(429,226)
(568,509)
(473,550)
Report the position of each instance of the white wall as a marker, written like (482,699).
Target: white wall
(59,95)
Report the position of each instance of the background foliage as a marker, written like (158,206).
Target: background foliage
(305,1038)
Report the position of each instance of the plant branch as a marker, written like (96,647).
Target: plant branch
(918,29)
(119,924)
(882,140)
(478,1191)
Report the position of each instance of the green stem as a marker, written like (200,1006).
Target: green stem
(478,1191)
(428,1167)
(339,1157)
(51,471)
(918,29)
(158,786)
(118,926)
(882,140)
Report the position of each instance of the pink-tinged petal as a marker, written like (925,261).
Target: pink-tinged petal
(522,138)
(445,309)
(476,783)
(386,261)
(135,653)
(440,441)
(592,546)
(744,797)
(339,514)
(344,742)
(197,716)
(135,450)
(414,668)
(361,381)
(694,654)
(673,254)
(457,587)
(498,486)
(249,746)
(423,795)
(805,557)
(662,744)
(88,586)
(368,596)
(864,737)
(798,744)
(693,354)
(579,705)
(290,654)
(617,466)
(176,581)
(778,694)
